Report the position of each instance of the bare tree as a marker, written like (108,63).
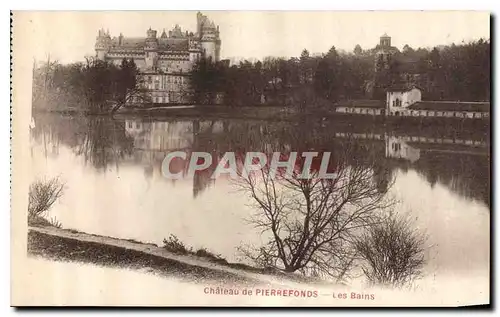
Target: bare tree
(392,252)
(42,195)
(139,94)
(313,222)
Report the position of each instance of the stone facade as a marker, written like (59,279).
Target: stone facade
(164,61)
(383,53)
(402,99)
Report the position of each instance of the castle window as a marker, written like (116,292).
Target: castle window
(396,146)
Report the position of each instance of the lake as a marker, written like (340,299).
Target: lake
(114,184)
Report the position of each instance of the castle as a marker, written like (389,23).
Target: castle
(164,62)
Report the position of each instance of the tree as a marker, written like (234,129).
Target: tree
(42,195)
(392,252)
(305,69)
(327,73)
(332,53)
(358,50)
(127,79)
(313,222)
(208,78)
(304,55)
(407,49)
(325,78)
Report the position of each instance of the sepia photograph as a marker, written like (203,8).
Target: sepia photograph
(251,158)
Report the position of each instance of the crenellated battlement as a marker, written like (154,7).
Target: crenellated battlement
(204,42)
(166,58)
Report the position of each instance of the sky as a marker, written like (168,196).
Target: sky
(68,36)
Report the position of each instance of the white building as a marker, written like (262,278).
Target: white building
(398,100)
(397,148)
(365,107)
(408,103)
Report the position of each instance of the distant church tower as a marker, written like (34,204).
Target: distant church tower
(384,53)
(209,37)
(385,41)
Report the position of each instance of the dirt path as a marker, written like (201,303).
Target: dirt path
(69,245)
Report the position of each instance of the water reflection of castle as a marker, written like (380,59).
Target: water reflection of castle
(457,158)
(153,140)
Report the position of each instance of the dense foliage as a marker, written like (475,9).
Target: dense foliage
(94,86)
(456,72)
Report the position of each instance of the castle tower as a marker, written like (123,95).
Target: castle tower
(151,49)
(218,43)
(102,44)
(200,19)
(194,48)
(209,37)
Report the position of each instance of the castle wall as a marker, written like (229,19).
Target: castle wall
(163,62)
(209,49)
(175,65)
(140,63)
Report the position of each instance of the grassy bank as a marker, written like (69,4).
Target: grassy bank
(66,249)
(195,266)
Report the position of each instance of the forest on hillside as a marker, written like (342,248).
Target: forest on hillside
(454,72)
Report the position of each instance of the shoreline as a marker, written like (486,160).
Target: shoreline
(68,245)
(276,113)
